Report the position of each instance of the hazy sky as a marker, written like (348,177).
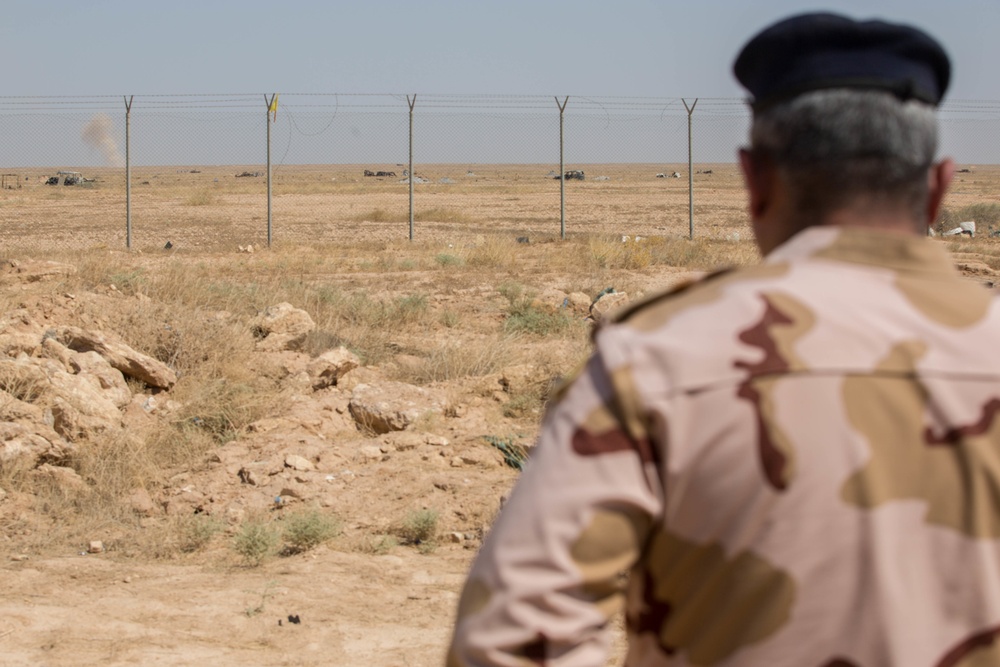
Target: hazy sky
(578,47)
(306,50)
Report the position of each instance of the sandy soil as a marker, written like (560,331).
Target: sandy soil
(355,609)
(210,207)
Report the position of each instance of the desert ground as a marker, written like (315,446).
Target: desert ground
(202,444)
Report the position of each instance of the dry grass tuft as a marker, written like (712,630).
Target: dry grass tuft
(453,360)
(493,252)
(200,198)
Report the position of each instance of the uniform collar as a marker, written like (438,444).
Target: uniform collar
(855,245)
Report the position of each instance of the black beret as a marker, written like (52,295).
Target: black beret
(817,51)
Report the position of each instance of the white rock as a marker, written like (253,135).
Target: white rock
(282,327)
(327,369)
(131,363)
(300,463)
(371,452)
(608,304)
(436,440)
(393,406)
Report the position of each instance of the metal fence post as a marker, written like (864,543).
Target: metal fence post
(271,106)
(562,169)
(410,171)
(690,111)
(128,173)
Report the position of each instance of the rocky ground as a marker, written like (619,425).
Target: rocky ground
(349,439)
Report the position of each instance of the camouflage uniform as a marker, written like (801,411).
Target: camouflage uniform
(798,464)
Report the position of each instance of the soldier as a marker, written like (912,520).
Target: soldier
(797,463)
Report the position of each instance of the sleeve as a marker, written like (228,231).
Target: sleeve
(549,575)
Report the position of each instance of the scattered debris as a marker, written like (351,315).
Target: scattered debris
(245,174)
(968,227)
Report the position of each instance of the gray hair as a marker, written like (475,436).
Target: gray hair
(840,146)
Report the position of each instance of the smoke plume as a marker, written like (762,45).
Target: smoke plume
(98,135)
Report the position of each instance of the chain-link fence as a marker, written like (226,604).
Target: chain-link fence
(220,171)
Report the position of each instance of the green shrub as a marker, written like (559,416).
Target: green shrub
(522,317)
(255,541)
(444,259)
(306,529)
(419,529)
(196,531)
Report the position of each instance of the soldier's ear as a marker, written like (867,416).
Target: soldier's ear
(758,176)
(939,178)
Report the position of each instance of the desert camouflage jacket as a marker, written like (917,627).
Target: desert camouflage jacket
(796,463)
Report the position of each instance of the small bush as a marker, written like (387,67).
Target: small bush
(130,282)
(514,454)
(196,531)
(450,361)
(307,529)
(613,253)
(201,198)
(255,541)
(444,259)
(511,291)
(495,252)
(525,318)
(409,309)
(419,529)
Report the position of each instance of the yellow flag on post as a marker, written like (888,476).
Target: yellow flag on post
(273,108)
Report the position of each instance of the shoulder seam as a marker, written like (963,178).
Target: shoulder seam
(632,308)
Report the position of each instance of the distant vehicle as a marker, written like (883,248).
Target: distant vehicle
(572,175)
(66,178)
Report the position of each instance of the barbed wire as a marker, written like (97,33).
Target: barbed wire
(609,107)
